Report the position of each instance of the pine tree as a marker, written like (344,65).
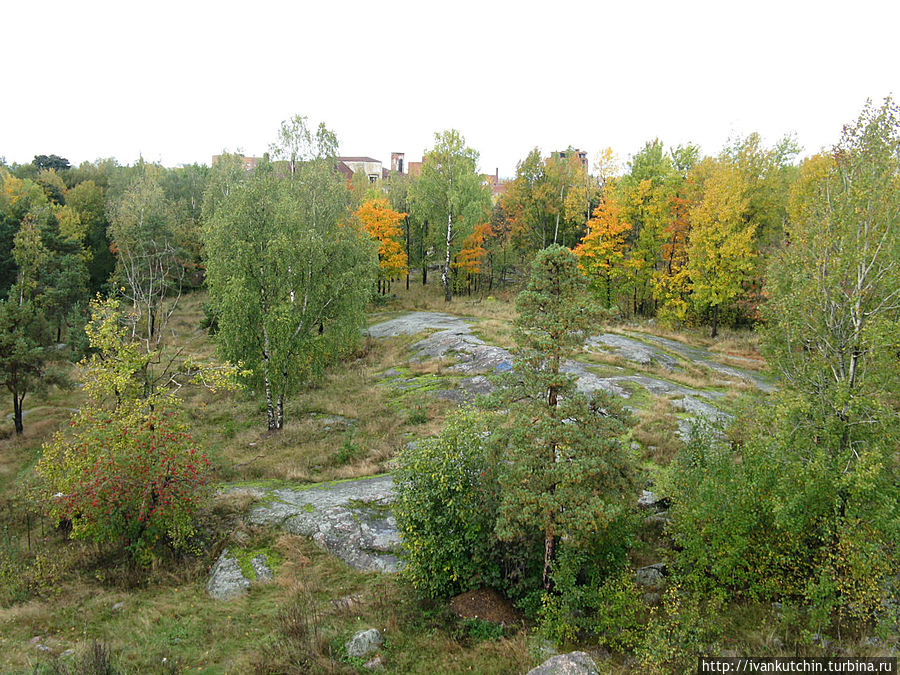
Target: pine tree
(566,469)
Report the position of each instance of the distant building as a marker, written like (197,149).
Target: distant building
(249,163)
(581,154)
(397,161)
(415,168)
(370,167)
(497,186)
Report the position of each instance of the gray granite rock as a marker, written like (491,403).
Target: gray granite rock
(631,350)
(351,519)
(364,643)
(414,322)
(647,499)
(706,358)
(587,382)
(699,408)
(467,390)
(573,663)
(652,576)
(226,581)
(262,571)
(332,422)
(453,337)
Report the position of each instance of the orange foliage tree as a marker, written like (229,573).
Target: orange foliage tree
(468,261)
(382,223)
(601,253)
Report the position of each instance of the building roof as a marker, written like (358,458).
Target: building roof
(344,170)
(358,159)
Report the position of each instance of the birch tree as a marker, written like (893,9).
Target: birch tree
(149,265)
(288,281)
(835,288)
(450,192)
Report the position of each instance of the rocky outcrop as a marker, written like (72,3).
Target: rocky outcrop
(651,577)
(453,337)
(631,350)
(226,580)
(467,390)
(573,663)
(705,358)
(260,568)
(351,519)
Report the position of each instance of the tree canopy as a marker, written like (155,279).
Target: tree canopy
(288,279)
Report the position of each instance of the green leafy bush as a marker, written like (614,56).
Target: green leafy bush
(594,592)
(446,508)
(678,632)
(779,519)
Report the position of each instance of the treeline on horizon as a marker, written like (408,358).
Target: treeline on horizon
(676,235)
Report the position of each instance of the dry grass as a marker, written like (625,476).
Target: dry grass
(231,426)
(306,450)
(742,342)
(688,374)
(655,431)
(499,304)
(495,331)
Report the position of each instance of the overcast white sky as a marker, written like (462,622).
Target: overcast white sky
(179,81)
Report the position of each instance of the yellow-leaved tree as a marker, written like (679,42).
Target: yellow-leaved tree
(382,223)
(601,253)
(721,253)
(672,283)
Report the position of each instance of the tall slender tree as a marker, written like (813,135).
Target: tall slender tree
(149,253)
(721,253)
(450,191)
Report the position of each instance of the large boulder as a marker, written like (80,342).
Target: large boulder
(573,663)
(364,643)
(226,581)
(652,577)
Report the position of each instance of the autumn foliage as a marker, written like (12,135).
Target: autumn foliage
(126,472)
(469,261)
(601,254)
(382,223)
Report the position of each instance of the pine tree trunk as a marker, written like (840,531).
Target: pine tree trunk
(17,413)
(549,554)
